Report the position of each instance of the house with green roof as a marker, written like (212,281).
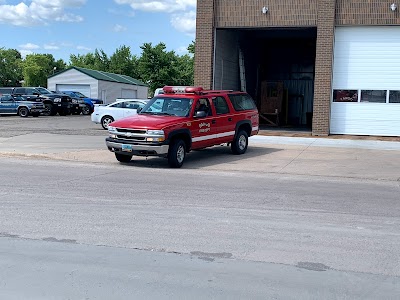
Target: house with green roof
(97,84)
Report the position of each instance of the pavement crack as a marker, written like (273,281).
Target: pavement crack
(297,156)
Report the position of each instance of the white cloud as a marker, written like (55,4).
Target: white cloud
(24,53)
(185,22)
(50,47)
(39,12)
(183,12)
(119,28)
(168,6)
(83,48)
(29,46)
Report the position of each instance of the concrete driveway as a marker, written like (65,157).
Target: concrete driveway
(76,138)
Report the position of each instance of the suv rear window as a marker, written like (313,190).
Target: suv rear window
(242,102)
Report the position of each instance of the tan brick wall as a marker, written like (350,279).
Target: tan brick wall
(323,67)
(282,13)
(204,53)
(289,13)
(371,12)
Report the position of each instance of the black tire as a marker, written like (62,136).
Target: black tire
(176,154)
(48,109)
(240,143)
(23,112)
(86,110)
(35,115)
(123,158)
(105,121)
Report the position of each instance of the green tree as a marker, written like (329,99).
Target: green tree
(158,67)
(123,62)
(10,67)
(192,47)
(37,67)
(83,61)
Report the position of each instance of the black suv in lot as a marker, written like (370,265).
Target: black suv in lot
(54,103)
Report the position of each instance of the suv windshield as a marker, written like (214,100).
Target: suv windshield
(179,107)
(43,91)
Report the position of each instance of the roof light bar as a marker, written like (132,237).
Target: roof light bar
(182,89)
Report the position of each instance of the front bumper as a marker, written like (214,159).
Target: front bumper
(36,110)
(127,147)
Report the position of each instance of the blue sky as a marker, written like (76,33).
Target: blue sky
(64,27)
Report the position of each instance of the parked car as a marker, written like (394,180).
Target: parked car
(53,102)
(88,103)
(105,114)
(18,105)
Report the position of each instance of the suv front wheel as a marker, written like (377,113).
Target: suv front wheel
(240,143)
(176,154)
(23,112)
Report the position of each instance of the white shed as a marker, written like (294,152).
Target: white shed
(97,84)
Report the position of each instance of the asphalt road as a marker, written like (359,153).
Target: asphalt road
(82,229)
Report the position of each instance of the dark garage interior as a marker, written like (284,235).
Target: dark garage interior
(275,66)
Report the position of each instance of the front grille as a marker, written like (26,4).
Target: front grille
(66,99)
(133,131)
(131,138)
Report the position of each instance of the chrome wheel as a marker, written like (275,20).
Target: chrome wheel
(105,121)
(242,143)
(180,154)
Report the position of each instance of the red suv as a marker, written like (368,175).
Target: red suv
(184,119)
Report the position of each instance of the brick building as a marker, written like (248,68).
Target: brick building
(332,64)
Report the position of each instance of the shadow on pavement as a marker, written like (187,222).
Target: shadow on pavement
(204,158)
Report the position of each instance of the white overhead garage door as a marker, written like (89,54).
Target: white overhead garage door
(82,88)
(366,81)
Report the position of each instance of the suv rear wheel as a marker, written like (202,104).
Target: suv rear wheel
(176,154)
(240,143)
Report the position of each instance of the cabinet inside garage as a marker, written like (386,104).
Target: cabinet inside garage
(275,66)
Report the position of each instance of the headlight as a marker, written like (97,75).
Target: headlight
(74,101)
(57,100)
(155,132)
(158,136)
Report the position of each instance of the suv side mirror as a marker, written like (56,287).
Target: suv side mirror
(200,114)
(139,109)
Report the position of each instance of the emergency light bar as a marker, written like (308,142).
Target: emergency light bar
(182,89)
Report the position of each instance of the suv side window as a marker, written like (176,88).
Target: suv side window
(203,104)
(242,102)
(221,106)
(4,91)
(20,91)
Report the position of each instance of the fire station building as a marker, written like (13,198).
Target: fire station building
(330,65)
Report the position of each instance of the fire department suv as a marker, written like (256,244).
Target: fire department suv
(183,119)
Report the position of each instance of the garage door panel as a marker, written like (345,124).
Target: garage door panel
(366,58)
(365,119)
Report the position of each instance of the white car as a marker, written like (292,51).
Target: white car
(105,114)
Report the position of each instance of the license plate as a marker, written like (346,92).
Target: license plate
(127,148)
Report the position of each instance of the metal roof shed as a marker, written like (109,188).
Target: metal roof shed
(97,84)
